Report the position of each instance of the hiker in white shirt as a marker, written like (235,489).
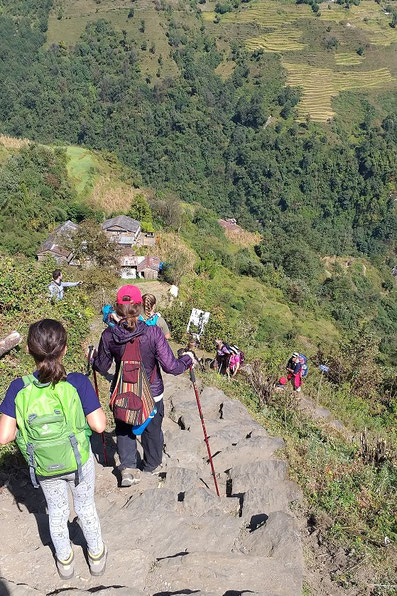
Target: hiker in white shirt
(56,287)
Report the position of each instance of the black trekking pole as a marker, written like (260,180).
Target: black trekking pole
(193,380)
(90,351)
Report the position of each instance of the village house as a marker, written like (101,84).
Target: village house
(135,266)
(127,232)
(55,247)
(122,229)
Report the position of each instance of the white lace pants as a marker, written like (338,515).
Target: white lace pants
(56,493)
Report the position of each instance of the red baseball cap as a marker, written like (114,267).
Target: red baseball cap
(129,295)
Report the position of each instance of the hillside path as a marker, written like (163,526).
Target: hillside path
(171,534)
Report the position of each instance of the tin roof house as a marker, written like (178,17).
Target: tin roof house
(135,266)
(55,245)
(123,229)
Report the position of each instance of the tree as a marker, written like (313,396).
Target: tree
(91,246)
(139,208)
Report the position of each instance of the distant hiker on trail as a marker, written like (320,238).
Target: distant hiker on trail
(192,345)
(294,368)
(222,356)
(50,413)
(234,363)
(153,318)
(57,286)
(149,348)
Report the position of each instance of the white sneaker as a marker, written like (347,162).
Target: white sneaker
(98,564)
(66,568)
(129,477)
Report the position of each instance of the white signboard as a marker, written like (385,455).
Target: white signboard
(198,319)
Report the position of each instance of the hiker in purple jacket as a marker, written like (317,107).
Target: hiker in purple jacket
(155,352)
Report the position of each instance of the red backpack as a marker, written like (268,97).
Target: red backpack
(132,400)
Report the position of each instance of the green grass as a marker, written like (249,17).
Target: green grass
(83,169)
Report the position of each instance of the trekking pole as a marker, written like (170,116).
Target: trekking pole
(193,380)
(90,351)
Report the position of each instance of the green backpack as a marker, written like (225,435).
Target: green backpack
(53,434)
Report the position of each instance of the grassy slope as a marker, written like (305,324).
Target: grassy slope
(99,182)
(76,14)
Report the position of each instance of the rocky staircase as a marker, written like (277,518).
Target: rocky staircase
(171,534)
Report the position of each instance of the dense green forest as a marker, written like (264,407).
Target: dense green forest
(203,137)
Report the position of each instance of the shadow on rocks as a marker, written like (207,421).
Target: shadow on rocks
(101,442)
(14,477)
(4,591)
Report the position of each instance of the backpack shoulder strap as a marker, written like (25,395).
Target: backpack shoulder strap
(28,380)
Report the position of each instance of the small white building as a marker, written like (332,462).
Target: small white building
(134,266)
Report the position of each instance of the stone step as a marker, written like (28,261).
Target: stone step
(171,533)
(247,450)
(267,498)
(253,474)
(217,573)
(278,538)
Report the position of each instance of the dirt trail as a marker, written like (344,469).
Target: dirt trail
(171,534)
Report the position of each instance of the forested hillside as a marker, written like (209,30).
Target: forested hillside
(282,115)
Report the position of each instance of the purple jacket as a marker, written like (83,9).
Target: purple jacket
(154,351)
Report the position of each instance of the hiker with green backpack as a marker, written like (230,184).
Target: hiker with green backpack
(51,415)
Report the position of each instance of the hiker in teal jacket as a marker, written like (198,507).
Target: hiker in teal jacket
(50,414)
(151,317)
(57,286)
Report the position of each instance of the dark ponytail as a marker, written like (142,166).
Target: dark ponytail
(129,314)
(46,343)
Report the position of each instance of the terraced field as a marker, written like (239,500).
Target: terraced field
(320,85)
(348,59)
(302,39)
(368,16)
(282,40)
(269,13)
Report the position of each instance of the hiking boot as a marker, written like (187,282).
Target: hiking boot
(66,568)
(129,476)
(97,563)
